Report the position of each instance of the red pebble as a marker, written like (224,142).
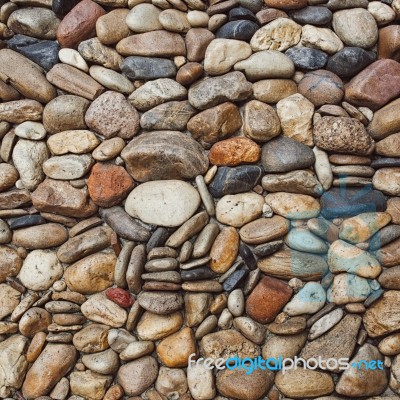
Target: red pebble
(120,297)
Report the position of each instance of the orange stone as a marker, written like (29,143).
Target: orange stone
(224,250)
(267,299)
(174,350)
(79,24)
(234,151)
(286,4)
(389,42)
(109,184)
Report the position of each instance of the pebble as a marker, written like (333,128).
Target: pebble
(239,30)
(348,288)
(264,230)
(273,90)
(293,206)
(316,15)
(147,68)
(154,327)
(310,299)
(322,39)
(108,149)
(303,240)
(325,323)
(197,40)
(112,27)
(171,382)
(40,236)
(73,57)
(200,381)
(224,250)
(306,58)
(144,18)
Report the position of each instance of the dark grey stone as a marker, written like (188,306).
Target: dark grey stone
(41,52)
(235,280)
(385,162)
(239,30)
(314,15)
(306,58)
(283,154)
(253,5)
(350,61)
(266,249)
(148,68)
(384,237)
(247,256)
(235,180)
(198,274)
(241,13)
(26,220)
(157,239)
(346,202)
(62,7)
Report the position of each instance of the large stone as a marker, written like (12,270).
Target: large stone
(213,91)
(10,261)
(112,27)
(389,255)
(164,155)
(348,288)
(387,180)
(343,135)
(144,18)
(67,167)
(165,203)
(88,384)
(323,39)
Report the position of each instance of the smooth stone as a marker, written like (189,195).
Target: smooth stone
(286,346)
(356,27)
(266,249)
(314,15)
(388,42)
(138,375)
(8,176)
(73,57)
(198,18)
(303,240)
(154,326)
(241,13)
(42,52)
(16,112)
(323,39)
(144,18)
(5,232)
(388,255)
(389,346)
(28,157)
(385,121)
(30,130)
(89,384)
(201,382)
(227,343)
(14,199)
(306,58)
(348,288)
(146,162)
(383,237)
(363,90)
(152,44)
(11,263)
(222,54)
(350,61)
(9,299)
(67,167)
(197,40)
(196,307)
(136,350)
(250,329)
(288,264)
(325,323)
(40,236)
(234,180)
(33,321)
(91,274)
(173,115)
(156,92)
(161,264)
(273,90)
(112,27)
(266,64)
(174,21)
(310,299)
(386,180)
(300,181)
(104,311)
(62,7)
(171,382)
(284,154)
(213,91)
(267,299)
(224,250)
(353,170)
(344,257)
(389,146)
(108,149)
(160,302)
(61,198)
(65,113)
(354,383)
(239,30)
(40,270)
(57,360)
(264,230)
(286,4)
(189,73)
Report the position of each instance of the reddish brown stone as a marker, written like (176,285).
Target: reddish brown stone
(286,4)
(189,73)
(267,299)
(375,86)
(79,24)
(197,40)
(109,184)
(224,250)
(120,297)
(234,151)
(389,42)
(269,14)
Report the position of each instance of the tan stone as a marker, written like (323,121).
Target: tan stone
(273,90)
(111,27)
(264,230)
(321,38)
(154,326)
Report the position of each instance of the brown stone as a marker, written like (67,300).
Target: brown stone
(111,115)
(109,184)
(389,255)
(273,90)
(14,198)
(389,42)
(10,262)
(8,93)
(79,24)
(264,230)
(111,28)
(74,81)
(19,111)
(375,86)
(343,135)
(321,87)
(61,198)
(153,44)
(286,4)
(386,121)
(269,14)
(197,41)
(25,76)
(390,278)
(174,350)
(8,176)
(33,321)
(390,146)
(40,236)
(189,73)
(36,346)
(214,124)
(234,151)
(346,159)
(393,208)
(224,250)
(164,155)
(267,299)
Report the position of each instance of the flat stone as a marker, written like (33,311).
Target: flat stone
(266,64)
(154,326)
(350,61)
(108,149)
(303,240)
(14,198)
(363,90)
(40,236)
(288,264)
(148,68)
(284,154)
(91,274)
(314,15)
(224,250)
(267,299)
(264,230)
(146,161)
(67,167)
(197,40)
(310,299)
(324,324)
(213,91)
(239,30)
(160,302)
(286,4)
(177,200)
(323,39)
(348,288)
(156,92)
(234,180)
(152,44)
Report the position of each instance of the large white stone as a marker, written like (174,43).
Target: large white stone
(165,203)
